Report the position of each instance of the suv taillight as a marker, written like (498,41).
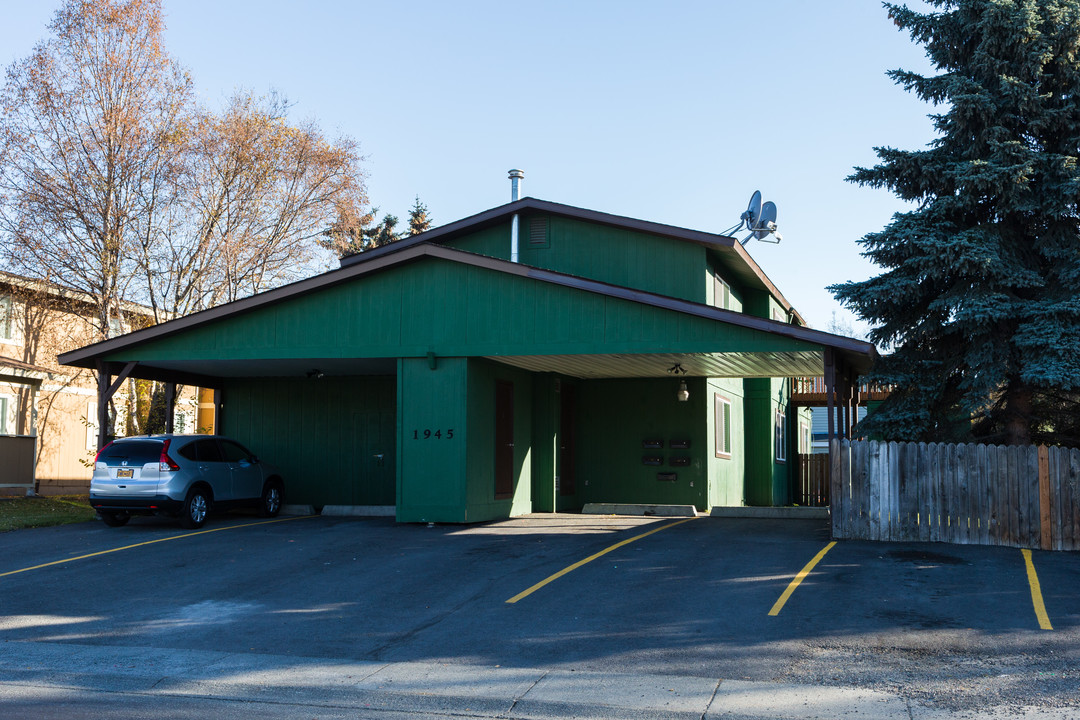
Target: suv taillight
(101,451)
(166,463)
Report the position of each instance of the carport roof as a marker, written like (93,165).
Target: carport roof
(806,360)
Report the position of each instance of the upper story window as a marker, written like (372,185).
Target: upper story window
(721,292)
(7,318)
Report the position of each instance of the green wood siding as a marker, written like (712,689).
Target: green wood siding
(323,435)
(453,310)
(599,252)
(482,504)
(616,416)
(767,480)
(726,474)
(432,473)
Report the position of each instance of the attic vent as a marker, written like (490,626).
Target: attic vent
(538,232)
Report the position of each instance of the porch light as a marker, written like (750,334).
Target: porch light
(683,395)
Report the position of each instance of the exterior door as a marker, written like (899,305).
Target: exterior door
(504,439)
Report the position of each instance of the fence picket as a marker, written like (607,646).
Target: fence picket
(1071,511)
(922,464)
(1030,479)
(978,497)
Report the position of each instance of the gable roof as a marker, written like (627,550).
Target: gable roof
(742,265)
(856,353)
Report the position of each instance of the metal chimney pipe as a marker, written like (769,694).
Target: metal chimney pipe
(516,176)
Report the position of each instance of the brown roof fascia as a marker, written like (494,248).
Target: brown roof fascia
(862,352)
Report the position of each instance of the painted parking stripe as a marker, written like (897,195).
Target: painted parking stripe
(1036,592)
(605,551)
(151,542)
(779,604)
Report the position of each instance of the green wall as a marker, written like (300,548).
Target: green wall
(323,435)
(767,479)
(726,474)
(432,440)
(480,496)
(454,310)
(616,417)
(618,256)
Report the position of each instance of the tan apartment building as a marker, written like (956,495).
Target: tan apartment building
(48,427)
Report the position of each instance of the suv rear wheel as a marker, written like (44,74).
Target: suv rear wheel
(270,502)
(115,519)
(196,507)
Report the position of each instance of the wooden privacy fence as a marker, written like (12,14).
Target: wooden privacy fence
(812,489)
(968,494)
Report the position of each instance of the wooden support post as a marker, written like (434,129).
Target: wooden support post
(105,393)
(219,409)
(170,406)
(1046,540)
(852,407)
(103,405)
(830,387)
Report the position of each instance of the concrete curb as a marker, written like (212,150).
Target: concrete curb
(360,510)
(632,509)
(772,513)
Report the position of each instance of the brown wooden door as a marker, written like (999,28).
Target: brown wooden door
(567,442)
(504,439)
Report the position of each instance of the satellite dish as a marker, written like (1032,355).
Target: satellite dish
(766,223)
(753,210)
(760,219)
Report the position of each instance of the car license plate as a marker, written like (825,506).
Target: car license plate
(125,473)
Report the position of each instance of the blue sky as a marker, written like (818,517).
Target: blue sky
(673,112)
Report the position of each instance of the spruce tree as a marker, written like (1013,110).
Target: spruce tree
(419,221)
(978,304)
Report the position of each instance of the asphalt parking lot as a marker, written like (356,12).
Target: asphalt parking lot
(946,625)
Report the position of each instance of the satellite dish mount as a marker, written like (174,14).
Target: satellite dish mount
(760,219)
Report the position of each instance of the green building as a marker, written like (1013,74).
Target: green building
(533,358)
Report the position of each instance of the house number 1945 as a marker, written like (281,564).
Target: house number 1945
(429,434)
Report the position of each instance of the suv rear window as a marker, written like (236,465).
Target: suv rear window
(135,452)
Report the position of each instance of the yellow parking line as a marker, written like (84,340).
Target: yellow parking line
(605,551)
(151,542)
(1036,592)
(779,604)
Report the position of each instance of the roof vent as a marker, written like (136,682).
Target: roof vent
(516,176)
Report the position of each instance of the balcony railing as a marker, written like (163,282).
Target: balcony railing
(809,390)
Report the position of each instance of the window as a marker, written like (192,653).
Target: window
(722,411)
(780,437)
(804,437)
(7,318)
(721,292)
(5,403)
(91,426)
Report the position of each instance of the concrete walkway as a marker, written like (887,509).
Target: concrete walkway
(35,675)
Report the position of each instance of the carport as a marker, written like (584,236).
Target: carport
(446,385)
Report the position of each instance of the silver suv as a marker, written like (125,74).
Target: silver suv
(182,476)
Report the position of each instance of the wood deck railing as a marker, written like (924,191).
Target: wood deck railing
(811,391)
